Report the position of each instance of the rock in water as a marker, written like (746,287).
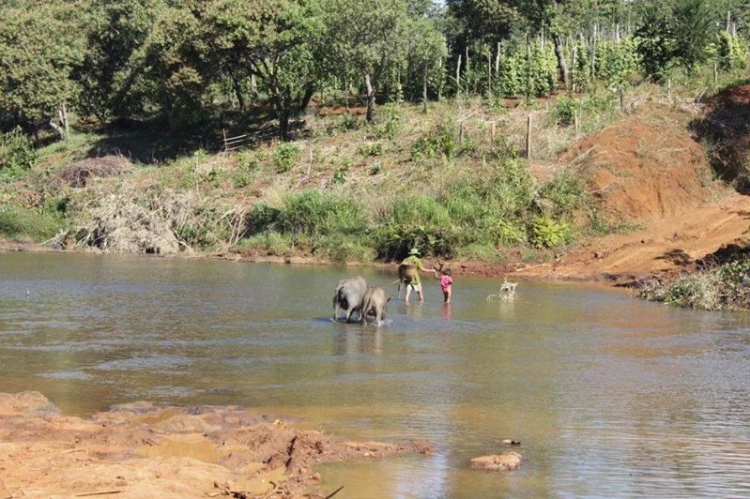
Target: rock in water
(503,462)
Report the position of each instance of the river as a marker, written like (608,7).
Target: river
(609,395)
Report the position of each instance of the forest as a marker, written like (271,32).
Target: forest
(193,61)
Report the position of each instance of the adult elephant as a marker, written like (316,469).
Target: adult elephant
(348,296)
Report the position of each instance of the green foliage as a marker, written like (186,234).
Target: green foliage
(548,233)
(285,157)
(564,111)
(392,123)
(315,213)
(720,288)
(440,142)
(41,44)
(341,249)
(17,222)
(675,32)
(17,153)
(339,178)
(247,161)
(731,52)
(563,195)
(370,149)
(616,62)
(241,180)
(272,243)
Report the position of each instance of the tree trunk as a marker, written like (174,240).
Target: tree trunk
(561,62)
(60,131)
(574,63)
(238,93)
(424,90)
(497,59)
(284,124)
(253,88)
(370,99)
(458,75)
(489,74)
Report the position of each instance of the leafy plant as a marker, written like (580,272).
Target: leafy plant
(339,178)
(548,233)
(17,152)
(285,157)
(564,111)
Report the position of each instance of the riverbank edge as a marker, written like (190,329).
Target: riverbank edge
(538,272)
(140,449)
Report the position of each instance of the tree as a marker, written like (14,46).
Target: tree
(368,41)
(675,32)
(40,45)
(279,41)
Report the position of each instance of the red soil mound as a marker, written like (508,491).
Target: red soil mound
(139,450)
(732,96)
(645,166)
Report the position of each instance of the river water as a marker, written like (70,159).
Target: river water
(610,396)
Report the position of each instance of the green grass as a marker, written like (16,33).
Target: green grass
(19,223)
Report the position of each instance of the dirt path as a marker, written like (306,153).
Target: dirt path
(669,245)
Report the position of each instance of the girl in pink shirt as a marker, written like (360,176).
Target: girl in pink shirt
(446,281)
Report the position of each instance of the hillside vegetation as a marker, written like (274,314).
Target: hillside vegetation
(506,134)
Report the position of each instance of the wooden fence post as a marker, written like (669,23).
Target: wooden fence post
(716,77)
(528,137)
(224,133)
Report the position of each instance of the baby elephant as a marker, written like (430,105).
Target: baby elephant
(374,303)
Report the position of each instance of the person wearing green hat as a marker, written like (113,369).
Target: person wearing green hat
(413,266)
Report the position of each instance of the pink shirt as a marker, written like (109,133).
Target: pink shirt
(445,282)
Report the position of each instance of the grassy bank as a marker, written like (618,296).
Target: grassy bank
(724,287)
(452,180)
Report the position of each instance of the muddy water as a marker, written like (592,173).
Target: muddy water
(610,396)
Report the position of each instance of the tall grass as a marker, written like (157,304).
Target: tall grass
(500,205)
(19,223)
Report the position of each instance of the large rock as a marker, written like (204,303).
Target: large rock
(25,402)
(503,462)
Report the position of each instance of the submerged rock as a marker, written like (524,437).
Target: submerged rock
(502,462)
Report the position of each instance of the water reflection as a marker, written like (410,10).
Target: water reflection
(610,396)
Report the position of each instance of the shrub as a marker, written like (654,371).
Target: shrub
(343,249)
(564,111)
(241,180)
(17,221)
(316,213)
(371,149)
(563,195)
(247,161)
(339,178)
(16,152)
(392,124)
(272,243)
(548,233)
(439,142)
(285,157)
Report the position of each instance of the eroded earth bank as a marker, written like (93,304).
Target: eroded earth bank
(139,450)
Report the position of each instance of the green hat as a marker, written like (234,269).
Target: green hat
(414,251)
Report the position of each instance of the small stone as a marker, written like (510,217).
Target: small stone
(504,462)
(508,441)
